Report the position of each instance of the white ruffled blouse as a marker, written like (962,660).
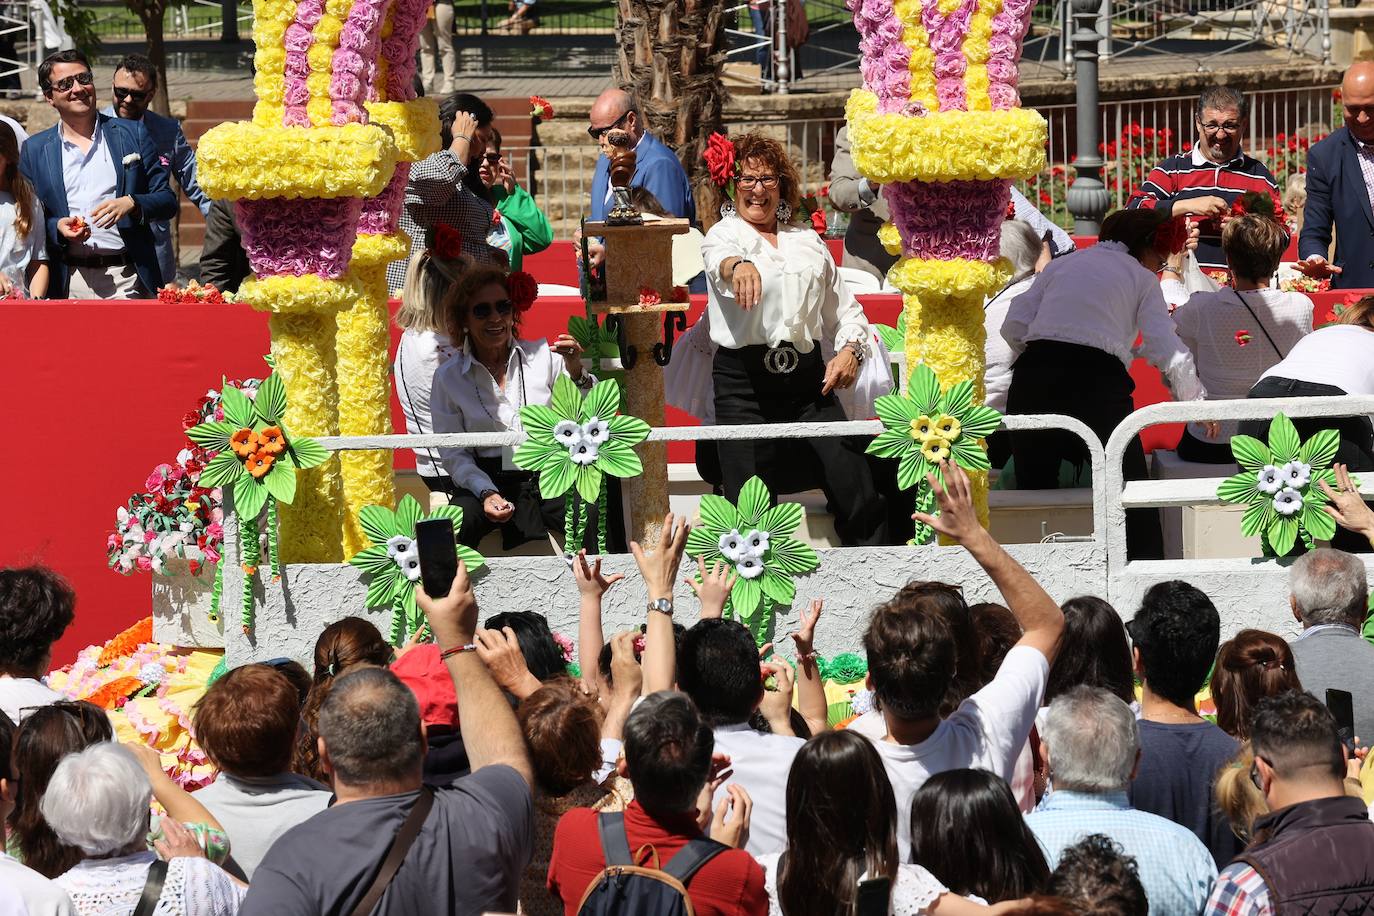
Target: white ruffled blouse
(913,893)
(112,887)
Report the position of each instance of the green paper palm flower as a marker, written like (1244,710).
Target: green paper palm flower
(393,564)
(1278,484)
(924,427)
(756,538)
(578,441)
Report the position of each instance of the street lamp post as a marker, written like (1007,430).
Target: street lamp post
(1087,198)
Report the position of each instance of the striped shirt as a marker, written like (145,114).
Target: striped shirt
(1239,891)
(1191,174)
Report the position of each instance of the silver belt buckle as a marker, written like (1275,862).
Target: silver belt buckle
(781,360)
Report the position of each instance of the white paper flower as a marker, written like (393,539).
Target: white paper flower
(152,674)
(410,565)
(756,543)
(596,430)
(398,544)
(749,567)
(1288,501)
(567,432)
(1295,474)
(731,545)
(583,453)
(1269,480)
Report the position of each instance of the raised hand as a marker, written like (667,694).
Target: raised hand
(452,618)
(731,822)
(659,568)
(957,519)
(590,579)
(714,588)
(805,638)
(500,651)
(777,703)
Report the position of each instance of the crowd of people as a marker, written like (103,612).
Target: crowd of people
(1002,759)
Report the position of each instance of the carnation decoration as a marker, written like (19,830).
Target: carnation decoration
(1278,486)
(924,427)
(758,540)
(393,564)
(540,108)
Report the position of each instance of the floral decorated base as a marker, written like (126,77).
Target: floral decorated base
(181,607)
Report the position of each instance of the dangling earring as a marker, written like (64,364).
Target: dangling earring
(727,208)
(784,212)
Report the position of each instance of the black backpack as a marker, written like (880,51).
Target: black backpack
(626,889)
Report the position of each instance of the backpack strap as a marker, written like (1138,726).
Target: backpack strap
(615,843)
(690,858)
(397,853)
(152,888)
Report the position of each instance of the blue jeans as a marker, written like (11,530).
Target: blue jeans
(763,31)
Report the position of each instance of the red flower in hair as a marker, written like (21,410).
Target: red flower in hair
(720,159)
(447,243)
(540,109)
(1171,236)
(523,289)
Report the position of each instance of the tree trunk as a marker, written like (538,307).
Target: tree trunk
(670,56)
(152,13)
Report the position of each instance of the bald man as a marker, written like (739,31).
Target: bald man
(1340,189)
(657,168)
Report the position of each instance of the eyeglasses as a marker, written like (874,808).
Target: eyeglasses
(1211,128)
(492,158)
(596,133)
(482,310)
(67,82)
(137,95)
(748,182)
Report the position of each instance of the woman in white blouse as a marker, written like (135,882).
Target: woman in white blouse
(1074,334)
(481,389)
(842,829)
(774,294)
(1237,332)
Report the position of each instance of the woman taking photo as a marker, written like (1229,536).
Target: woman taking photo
(1074,333)
(774,297)
(481,390)
(518,226)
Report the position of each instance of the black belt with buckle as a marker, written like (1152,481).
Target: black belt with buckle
(101,260)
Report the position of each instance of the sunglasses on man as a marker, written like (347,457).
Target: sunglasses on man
(67,82)
(482,310)
(137,95)
(596,133)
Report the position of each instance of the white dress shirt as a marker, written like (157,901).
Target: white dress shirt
(1103,298)
(1338,354)
(17,253)
(999,356)
(760,762)
(90,178)
(418,356)
(804,298)
(466,399)
(1208,324)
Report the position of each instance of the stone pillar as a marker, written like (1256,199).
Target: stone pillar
(1088,199)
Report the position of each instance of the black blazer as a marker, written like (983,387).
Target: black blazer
(1337,195)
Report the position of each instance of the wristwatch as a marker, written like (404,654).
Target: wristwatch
(662,605)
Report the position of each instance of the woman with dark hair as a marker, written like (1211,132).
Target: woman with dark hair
(446,187)
(1074,332)
(966,828)
(1249,667)
(344,644)
(530,630)
(481,389)
(1093,651)
(775,300)
(842,824)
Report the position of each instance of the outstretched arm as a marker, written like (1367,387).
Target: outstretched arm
(592,585)
(659,570)
(810,691)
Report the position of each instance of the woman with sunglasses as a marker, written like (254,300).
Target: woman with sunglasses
(481,389)
(518,227)
(775,301)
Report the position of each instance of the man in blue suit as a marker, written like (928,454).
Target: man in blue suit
(135,82)
(101,182)
(1340,187)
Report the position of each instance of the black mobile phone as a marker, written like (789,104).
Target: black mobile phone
(434,541)
(874,897)
(1342,706)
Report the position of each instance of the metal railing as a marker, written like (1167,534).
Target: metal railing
(196,19)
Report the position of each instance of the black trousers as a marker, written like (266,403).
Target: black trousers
(747,392)
(1191,448)
(1090,385)
(1357,438)
(534,516)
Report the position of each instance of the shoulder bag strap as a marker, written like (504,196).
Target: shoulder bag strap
(152,889)
(690,858)
(1260,324)
(615,843)
(397,853)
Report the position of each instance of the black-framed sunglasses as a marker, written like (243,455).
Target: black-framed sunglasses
(138,95)
(482,310)
(67,82)
(596,133)
(492,158)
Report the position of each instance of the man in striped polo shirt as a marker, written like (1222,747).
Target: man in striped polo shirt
(1204,181)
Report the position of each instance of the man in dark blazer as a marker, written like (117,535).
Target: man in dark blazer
(1340,184)
(101,181)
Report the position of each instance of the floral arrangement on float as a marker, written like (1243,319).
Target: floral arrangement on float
(540,108)
(575,442)
(758,539)
(924,427)
(1278,485)
(392,563)
(318,177)
(938,125)
(193,293)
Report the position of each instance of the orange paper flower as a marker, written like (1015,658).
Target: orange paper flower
(270,440)
(121,688)
(259,463)
(244,442)
(127,642)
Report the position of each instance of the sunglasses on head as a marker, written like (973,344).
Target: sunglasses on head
(138,95)
(67,82)
(482,310)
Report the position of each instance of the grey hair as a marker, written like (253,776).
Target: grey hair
(97,800)
(1021,246)
(370,723)
(1222,97)
(1329,586)
(1093,741)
